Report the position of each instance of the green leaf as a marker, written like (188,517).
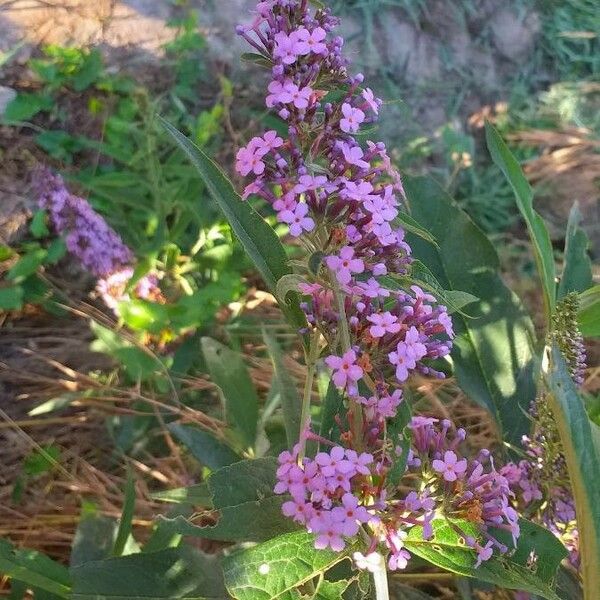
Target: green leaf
(126,520)
(38,225)
(248,508)
(447,550)
(34,569)
(94,539)
(56,250)
(577,270)
(589,312)
(275,569)
(405,592)
(204,446)
(258,239)
(538,232)
(26,106)
(228,371)
(409,224)
(173,573)
(194,495)
(27,265)
(11,298)
(257,59)
(492,354)
(583,462)
(290,399)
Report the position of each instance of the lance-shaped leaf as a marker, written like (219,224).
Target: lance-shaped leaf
(258,239)
(583,462)
(447,550)
(275,569)
(492,354)
(246,508)
(34,569)
(577,271)
(228,371)
(174,573)
(538,232)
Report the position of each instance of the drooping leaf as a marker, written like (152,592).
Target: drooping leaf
(34,569)
(26,106)
(275,569)
(492,353)
(538,232)
(174,573)
(448,551)
(290,399)
(589,312)
(126,520)
(228,371)
(577,271)
(583,462)
(258,239)
(247,508)
(204,446)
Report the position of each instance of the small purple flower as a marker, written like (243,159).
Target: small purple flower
(403,361)
(414,348)
(346,371)
(285,48)
(353,155)
(383,323)
(300,97)
(278,94)
(450,467)
(344,265)
(328,531)
(297,219)
(353,117)
(311,41)
(370,99)
(249,160)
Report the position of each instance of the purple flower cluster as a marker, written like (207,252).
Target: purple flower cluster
(87,235)
(321,490)
(341,200)
(92,241)
(340,491)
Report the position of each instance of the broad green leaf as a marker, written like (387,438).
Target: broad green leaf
(94,539)
(34,569)
(195,495)
(174,573)
(589,312)
(257,59)
(204,446)
(275,569)
(125,523)
(577,271)
(583,463)
(538,232)
(448,551)
(228,371)
(11,298)
(27,265)
(258,239)
(290,399)
(492,354)
(248,509)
